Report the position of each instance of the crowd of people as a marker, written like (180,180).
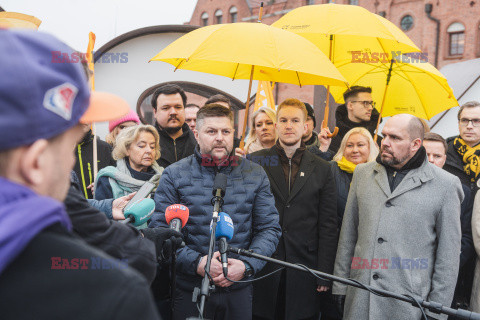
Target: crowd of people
(395,211)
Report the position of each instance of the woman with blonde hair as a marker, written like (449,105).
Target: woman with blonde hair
(357,147)
(136,151)
(262,134)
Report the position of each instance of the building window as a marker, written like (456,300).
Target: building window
(205,19)
(456,35)
(233,14)
(354,2)
(218,16)
(382,14)
(310,2)
(406,23)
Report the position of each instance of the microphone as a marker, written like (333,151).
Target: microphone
(177,216)
(219,186)
(224,233)
(139,212)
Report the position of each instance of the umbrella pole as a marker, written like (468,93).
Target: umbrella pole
(383,100)
(247,109)
(327,100)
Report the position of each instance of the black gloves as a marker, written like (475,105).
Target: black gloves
(166,240)
(339,303)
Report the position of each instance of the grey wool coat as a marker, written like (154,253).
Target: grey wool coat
(407,241)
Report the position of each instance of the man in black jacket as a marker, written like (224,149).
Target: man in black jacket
(463,153)
(46,271)
(176,139)
(305,197)
(358,111)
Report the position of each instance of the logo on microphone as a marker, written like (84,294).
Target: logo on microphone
(176,207)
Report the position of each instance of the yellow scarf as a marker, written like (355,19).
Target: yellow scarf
(471,158)
(346,165)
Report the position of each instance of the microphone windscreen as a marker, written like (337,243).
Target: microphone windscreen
(224,226)
(178,211)
(220,182)
(140,210)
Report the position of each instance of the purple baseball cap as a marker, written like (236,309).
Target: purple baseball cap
(39,98)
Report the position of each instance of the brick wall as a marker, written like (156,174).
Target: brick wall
(423,32)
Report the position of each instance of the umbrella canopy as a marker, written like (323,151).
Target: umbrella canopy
(18,20)
(347,30)
(252,51)
(404,86)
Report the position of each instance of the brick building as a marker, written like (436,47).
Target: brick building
(458,23)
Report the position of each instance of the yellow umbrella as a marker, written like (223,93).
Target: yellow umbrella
(18,20)
(252,51)
(403,85)
(346,32)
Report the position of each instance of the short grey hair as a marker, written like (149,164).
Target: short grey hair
(128,135)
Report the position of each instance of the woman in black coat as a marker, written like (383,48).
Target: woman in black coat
(357,147)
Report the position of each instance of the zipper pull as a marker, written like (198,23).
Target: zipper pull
(394,174)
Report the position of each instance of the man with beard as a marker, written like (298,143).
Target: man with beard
(401,229)
(358,111)
(305,197)
(249,202)
(176,139)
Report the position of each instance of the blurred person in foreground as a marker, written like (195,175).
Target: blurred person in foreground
(54,272)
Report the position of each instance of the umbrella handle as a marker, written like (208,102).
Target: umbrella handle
(334,133)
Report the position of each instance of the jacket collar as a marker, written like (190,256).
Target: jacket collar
(223,165)
(413,179)
(164,134)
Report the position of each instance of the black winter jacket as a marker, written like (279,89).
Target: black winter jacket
(35,286)
(84,164)
(119,240)
(342,181)
(344,125)
(175,150)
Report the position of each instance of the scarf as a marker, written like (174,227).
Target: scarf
(254,146)
(346,165)
(121,180)
(23,215)
(470,157)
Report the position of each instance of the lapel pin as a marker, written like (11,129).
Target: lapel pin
(302,174)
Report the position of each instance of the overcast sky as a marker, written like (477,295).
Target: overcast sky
(72,20)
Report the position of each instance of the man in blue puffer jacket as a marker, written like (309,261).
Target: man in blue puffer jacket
(249,202)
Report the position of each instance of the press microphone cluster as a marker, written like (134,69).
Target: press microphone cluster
(223,234)
(139,212)
(177,216)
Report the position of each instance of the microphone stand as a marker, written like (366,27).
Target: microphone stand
(206,288)
(434,307)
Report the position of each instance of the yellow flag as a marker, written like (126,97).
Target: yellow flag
(264,97)
(89,56)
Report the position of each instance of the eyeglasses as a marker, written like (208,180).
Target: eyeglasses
(464,122)
(367,103)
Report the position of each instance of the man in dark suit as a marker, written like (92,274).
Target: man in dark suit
(304,191)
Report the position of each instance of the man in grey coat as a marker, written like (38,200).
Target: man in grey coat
(401,229)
